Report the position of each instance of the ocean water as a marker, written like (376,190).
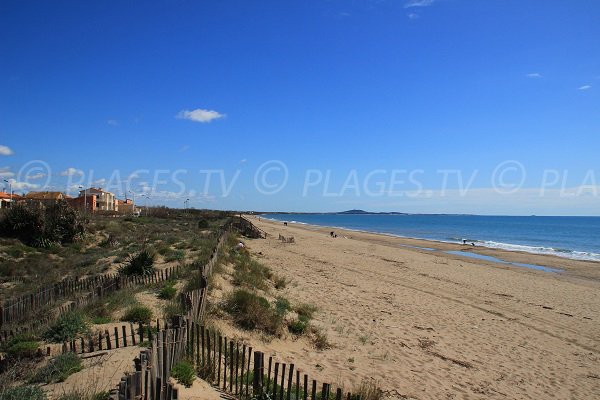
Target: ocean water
(569,237)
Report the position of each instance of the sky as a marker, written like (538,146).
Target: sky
(424,106)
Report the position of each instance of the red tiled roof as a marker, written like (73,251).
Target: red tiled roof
(44,195)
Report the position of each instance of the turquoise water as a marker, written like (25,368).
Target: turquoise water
(569,237)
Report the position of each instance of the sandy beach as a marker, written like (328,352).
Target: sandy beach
(430,325)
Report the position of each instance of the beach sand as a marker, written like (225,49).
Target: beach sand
(429,325)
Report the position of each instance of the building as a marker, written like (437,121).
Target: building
(43,198)
(6,200)
(96,199)
(126,206)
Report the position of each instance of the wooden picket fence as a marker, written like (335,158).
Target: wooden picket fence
(104,285)
(24,307)
(153,368)
(233,367)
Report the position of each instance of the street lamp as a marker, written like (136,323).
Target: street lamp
(10,189)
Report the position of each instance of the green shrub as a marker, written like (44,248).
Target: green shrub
(202,224)
(58,369)
(282,306)
(141,263)
(250,273)
(173,309)
(23,393)
(251,311)
(99,320)
(57,223)
(168,291)
(175,255)
(298,327)
(138,314)
(67,327)
(23,350)
(21,346)
(85,395)
(184,373)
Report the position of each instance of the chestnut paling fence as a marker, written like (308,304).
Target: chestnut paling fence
(233,367)
(93,289)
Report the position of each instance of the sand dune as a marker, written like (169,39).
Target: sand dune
(430,325)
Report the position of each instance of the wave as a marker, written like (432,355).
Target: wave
(558,252)
(564,253)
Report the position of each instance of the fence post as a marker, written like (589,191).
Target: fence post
(258,372)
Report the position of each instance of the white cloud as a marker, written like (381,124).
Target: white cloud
(184,148)
(5,151)
(584,87)
(112,122)
(36,176)
(5,173)
(413,16)
(23,185)
(71,172)
(200,115)
(534,75)
(418,3)
(243,161)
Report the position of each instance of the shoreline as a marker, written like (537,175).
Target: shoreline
(568,267)
(480,243)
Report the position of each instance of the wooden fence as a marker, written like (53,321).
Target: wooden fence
(153,368)
(102,286)
(233,367)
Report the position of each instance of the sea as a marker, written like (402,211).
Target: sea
(576,238)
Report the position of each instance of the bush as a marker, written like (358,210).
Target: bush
(85,395)
(251,311)
(138,314)
(67,327)
(141,263)
(305,311)
(184,373)
(21,346)
(175,255)
(23,350)
(250,273)
(22,393)
(167,292)
(58,369)
(37,226)
(172,309)
(298,327)
(280,282)
(282,306)
(319,339)
(202,224)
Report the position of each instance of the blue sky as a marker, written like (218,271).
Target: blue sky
(383,105)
